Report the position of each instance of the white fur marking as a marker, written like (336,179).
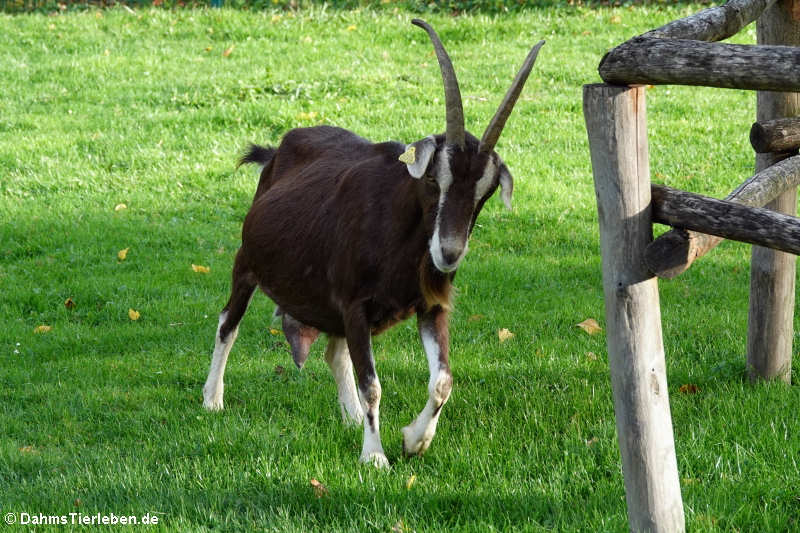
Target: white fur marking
(338,358)
(483,184)
(418,435)
(372,449)
(445,178)
(214,388)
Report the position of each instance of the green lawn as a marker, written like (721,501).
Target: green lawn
(102,414)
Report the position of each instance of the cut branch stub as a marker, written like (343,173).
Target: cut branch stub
(779,135)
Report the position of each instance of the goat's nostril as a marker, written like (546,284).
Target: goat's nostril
(451,255)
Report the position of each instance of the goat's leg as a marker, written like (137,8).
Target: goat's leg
(433,331)
(243,286)
(359,342)
(338,358)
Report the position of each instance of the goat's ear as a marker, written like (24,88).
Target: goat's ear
(418,156)
(506,185)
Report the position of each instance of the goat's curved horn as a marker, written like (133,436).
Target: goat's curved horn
(454,134)
(495,128)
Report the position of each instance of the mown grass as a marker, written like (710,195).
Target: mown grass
(103,414)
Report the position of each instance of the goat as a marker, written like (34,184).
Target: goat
(349,238)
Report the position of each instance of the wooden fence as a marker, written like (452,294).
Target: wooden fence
(686,52)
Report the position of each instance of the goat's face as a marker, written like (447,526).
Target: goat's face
(454,185)
(458,172)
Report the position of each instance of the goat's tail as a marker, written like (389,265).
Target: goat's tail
(260,155)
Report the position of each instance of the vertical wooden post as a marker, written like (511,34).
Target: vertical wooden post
(772,273)
(616,123)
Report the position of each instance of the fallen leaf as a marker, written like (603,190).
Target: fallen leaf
(228,51)
(320,490)
(590,326)
(208,48)
(273,331)
(307,116)
(474,318)
(616,19)
(351,27)
(689,388)
(120,207)
(591,356)
(42,329)
(28,449)
(77,502)
(201,269)
(410,481)
(279,370)
(122,254)
(69,303)
(504,334)
(276,18)
(591,442)
(133,314)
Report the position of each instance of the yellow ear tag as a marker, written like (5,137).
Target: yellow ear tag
(409,156)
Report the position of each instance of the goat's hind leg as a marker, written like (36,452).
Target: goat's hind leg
(243,286)
(433,331)
(338,358)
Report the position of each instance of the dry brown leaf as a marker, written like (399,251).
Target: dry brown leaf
(616,19)
(133,314)
(320,490)
(28,449)
(591,356)
(591,442)
(474,318)
(120,207)
(69,303)
(410,481)
(400,527)
(273,331)
(504,334)
(42,329)
(228,51)
(122,254)
(201,269)
(689,388)
(590,326)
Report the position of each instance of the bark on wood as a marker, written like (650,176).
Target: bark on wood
(714,23)
(779,135)
(772,274)
(674,252)
(615,121)
(650,60)
(729,220)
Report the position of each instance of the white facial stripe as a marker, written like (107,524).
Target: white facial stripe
(444,178)
(483,185)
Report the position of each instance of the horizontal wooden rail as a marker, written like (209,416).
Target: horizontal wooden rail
(655,61)
(725,219)
(674,252)
(715,23)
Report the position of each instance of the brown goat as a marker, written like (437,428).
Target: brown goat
(348,238)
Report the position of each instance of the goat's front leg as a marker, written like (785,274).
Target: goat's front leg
(359,342)
(433,330)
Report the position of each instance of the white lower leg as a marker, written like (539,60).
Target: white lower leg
(418,435)
(214,388)
(372,450)
(338,358)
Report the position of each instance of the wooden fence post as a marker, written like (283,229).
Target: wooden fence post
(772,274)
(616,124)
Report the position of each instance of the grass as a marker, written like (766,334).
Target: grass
(103,414)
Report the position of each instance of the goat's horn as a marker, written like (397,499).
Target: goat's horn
(495,128)
(454,134)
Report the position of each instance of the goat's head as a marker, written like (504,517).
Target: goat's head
(458,173)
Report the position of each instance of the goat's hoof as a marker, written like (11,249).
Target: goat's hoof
(212,404)
(376,459)
(414,444)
